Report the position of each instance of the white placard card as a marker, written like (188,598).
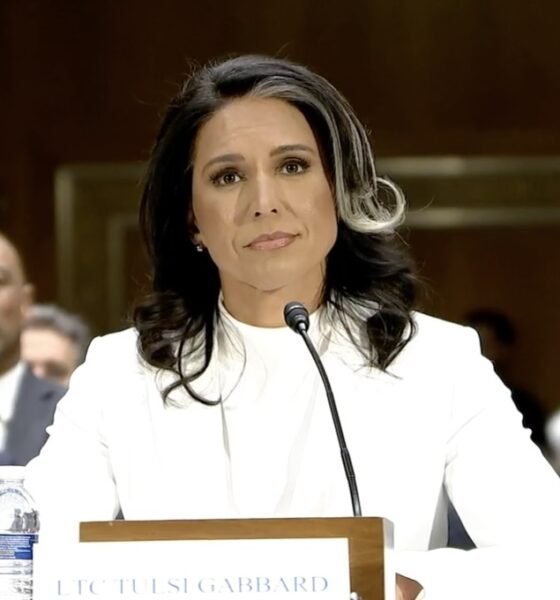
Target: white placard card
(213,569)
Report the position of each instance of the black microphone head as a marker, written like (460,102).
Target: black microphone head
(296,316)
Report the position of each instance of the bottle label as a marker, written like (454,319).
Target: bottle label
(17,546)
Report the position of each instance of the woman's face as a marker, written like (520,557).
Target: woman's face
(262,204)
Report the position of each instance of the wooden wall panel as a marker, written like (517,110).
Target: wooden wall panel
(513,270)
(100,257)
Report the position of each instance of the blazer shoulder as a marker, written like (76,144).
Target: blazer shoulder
(437,344)
(435,332)
(115,349)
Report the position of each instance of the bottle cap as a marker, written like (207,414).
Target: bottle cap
(12,473)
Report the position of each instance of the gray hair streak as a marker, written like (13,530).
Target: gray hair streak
(360,206)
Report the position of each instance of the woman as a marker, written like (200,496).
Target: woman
(261,190)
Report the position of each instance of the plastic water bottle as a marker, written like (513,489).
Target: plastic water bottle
(19,527)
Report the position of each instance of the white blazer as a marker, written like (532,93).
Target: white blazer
(442,424)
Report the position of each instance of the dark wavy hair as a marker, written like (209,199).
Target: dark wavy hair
(369,281)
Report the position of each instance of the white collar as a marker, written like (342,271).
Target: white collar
(9,387)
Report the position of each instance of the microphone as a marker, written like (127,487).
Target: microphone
(297,319)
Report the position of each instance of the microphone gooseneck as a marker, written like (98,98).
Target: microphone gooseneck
(297,319)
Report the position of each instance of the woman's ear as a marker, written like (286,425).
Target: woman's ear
(194,232)
(191,220)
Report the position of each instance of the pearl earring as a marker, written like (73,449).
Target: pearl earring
(199,247)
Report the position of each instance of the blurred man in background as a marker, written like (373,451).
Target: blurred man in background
(27,403)
(54,342)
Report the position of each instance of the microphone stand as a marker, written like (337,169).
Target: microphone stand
(297,318)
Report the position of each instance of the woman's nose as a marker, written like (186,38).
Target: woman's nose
(265,197)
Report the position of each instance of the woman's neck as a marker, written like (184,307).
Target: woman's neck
(266,308)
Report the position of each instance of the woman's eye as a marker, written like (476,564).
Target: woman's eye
(294,167)
(227,178)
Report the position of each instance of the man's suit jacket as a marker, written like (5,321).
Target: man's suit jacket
(33,413)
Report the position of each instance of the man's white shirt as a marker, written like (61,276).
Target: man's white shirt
(9,386)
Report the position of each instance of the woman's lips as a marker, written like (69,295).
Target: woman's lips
(272,241)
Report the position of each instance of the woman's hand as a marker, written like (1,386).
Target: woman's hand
(407,589)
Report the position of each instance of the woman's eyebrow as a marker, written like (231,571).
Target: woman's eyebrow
(224,158)
(291,148)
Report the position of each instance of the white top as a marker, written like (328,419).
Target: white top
(441,422)
(9,386)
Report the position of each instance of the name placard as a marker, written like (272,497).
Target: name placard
(193,569)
